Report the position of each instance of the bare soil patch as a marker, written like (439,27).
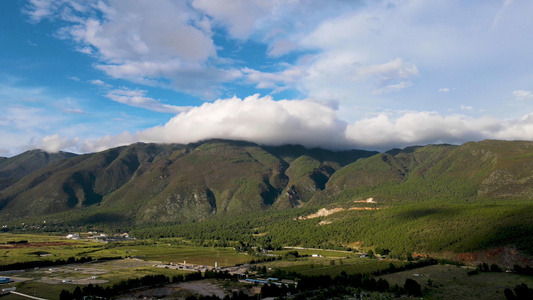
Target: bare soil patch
(203,288)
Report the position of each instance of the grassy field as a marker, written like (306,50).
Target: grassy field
(47,282)
(324,253)
(39,247)
(37,289)
(451,282)
(331,266)
(191,254)
(53,248)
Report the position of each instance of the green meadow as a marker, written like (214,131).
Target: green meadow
(451,282)
(143,256)
(312,266)
(40,247)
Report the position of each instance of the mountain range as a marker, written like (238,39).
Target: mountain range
(172,183)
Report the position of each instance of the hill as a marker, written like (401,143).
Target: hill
(476,170)
(174,183)
(16,167)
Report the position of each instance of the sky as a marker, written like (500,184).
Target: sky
(85,76)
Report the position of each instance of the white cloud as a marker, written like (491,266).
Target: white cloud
(4,152)
(40,9)
(138,30)
(18,124)
(380,46)
(54,143)
(393,87)
(241,17)
(392,70)
(256,119)
(523,95)
(281,47)
(264,121)
(370,55)
(288,78)
(73,110)
(193,79)
(137,98)
(336,75)
(385,131)
(106,142)
(358,47)
(164,43)
(100,83)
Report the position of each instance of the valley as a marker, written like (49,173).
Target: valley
(181,264)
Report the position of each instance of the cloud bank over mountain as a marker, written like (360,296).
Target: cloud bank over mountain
(268,122)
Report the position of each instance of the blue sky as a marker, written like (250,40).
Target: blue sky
(84,76)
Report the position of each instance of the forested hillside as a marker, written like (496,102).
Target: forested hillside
(151,183)
(16,167)
(489,169)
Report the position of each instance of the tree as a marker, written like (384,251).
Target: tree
(523,292)
(495,268)
(412,287)
(509,295)
(65,295)
(370,254)
(77,294)
(483,267)
(291,255)
(382,285)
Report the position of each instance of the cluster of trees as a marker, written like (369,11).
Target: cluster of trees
(520,292)
(409,266)
(147,281)
(527,270)
(484,267)
(50,263)
(235,296)
(92,291)
(426,226)
(307,285)
(415,226)
(273,290)
(345,283)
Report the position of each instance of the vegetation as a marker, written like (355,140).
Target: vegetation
(148,183)
(238,201)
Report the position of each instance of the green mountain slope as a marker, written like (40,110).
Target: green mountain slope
(16,167)
(487,169)
(151,183)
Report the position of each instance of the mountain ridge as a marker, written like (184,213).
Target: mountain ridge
(151,183)
(170,182)
(16,167)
